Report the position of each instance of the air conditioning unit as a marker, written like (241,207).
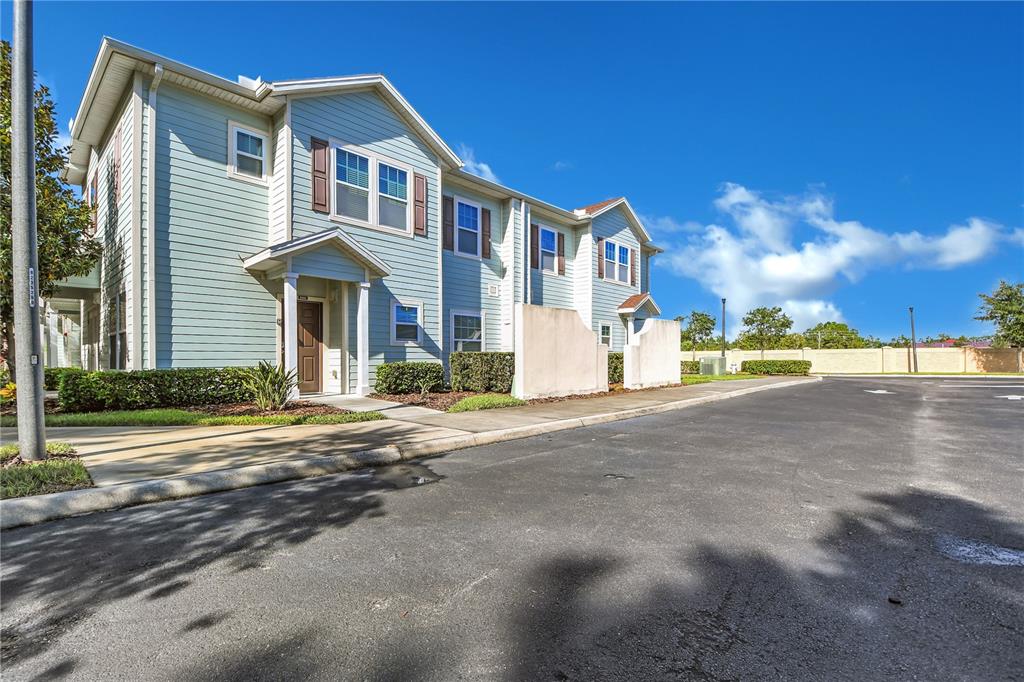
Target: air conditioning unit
(712,365)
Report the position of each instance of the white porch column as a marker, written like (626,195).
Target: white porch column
(363,340)
(290,329)
(630,328)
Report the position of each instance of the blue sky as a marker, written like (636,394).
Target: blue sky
(842,160)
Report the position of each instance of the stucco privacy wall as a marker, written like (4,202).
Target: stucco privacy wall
(651,357)
(877,360)
(556,354)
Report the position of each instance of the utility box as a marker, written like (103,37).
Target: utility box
(712,365)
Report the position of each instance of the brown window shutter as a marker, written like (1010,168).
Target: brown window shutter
(448,223)
(561,253)
(600,258)
(485,233)
(632,267)
(419,215)
(534,247)
(318,169)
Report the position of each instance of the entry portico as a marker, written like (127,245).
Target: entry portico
(327,268)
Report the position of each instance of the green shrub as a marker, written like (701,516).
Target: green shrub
(482,372)
(776,366)
(141,389)
(271,386)
(409,377)
(689,367)
(486,401)
(52,376)
(615,368)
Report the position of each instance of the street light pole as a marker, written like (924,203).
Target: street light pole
(913,340)
(723,327)
(28,348)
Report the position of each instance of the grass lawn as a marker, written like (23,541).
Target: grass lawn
(689,379)
(486,401)
(63,471)
(176,417)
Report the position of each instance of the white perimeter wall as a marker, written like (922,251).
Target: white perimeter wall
(877,360)
(651,357)
(557,354)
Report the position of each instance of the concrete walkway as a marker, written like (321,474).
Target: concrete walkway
(358,403)
(115,455)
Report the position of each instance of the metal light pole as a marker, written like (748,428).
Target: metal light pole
(28,348)
(913,341)
(723,327)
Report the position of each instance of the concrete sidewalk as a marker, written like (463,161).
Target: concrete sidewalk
(115,455)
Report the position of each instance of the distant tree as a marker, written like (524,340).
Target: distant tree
(1005,307)
(834,335)
(698,332)
(63,223)
(791,342)
(765,327)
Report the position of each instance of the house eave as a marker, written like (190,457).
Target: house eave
(277,254)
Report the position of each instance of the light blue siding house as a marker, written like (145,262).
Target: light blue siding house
(318,223)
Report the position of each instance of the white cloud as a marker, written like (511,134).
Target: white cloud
(562,165)
(666,226)
(757,262)
(475,167)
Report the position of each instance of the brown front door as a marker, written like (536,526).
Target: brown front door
(310,355)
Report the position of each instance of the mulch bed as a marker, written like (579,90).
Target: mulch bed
(296,408)
(434,401)
(442,401)
(50,406)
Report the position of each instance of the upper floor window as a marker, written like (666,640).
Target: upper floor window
(352,176)
(467,228)
(616,262)
(371,190)
(393,189)
(548,250)
(247,158)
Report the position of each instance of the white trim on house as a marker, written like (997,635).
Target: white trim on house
(373,194)
(464,312)
(136,229)
(269,257)
(631,216)
(151,333)
(289,199)
(456,199)
(406,303)
(234,127)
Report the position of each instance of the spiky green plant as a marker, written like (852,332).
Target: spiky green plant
(271,386)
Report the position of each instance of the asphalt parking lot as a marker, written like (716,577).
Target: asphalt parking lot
(848,529)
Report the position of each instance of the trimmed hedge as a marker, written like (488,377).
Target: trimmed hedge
(483,372)
(409,377)
(689,367)
(615,368)
(776,366)
(53,375)
(145,388)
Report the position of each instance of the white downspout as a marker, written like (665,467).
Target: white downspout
(158,74)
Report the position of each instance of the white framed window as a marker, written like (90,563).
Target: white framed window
(467,330)
(392,196)
(247,153)
(616,261)
(370,190)
(117,338)
(467,228)
(605,333)
(548,250)
(406,323)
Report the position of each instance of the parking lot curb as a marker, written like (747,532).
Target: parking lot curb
(26,511)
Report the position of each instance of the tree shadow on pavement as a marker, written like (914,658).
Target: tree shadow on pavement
(879,601)
(86,563)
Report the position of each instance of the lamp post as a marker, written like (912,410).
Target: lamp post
(28,357)
(913,341)
(723,327)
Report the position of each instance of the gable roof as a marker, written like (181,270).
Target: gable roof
(602,207)
(638,301)
(116,63)
(272,255)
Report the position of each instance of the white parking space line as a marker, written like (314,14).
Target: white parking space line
(998,386)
